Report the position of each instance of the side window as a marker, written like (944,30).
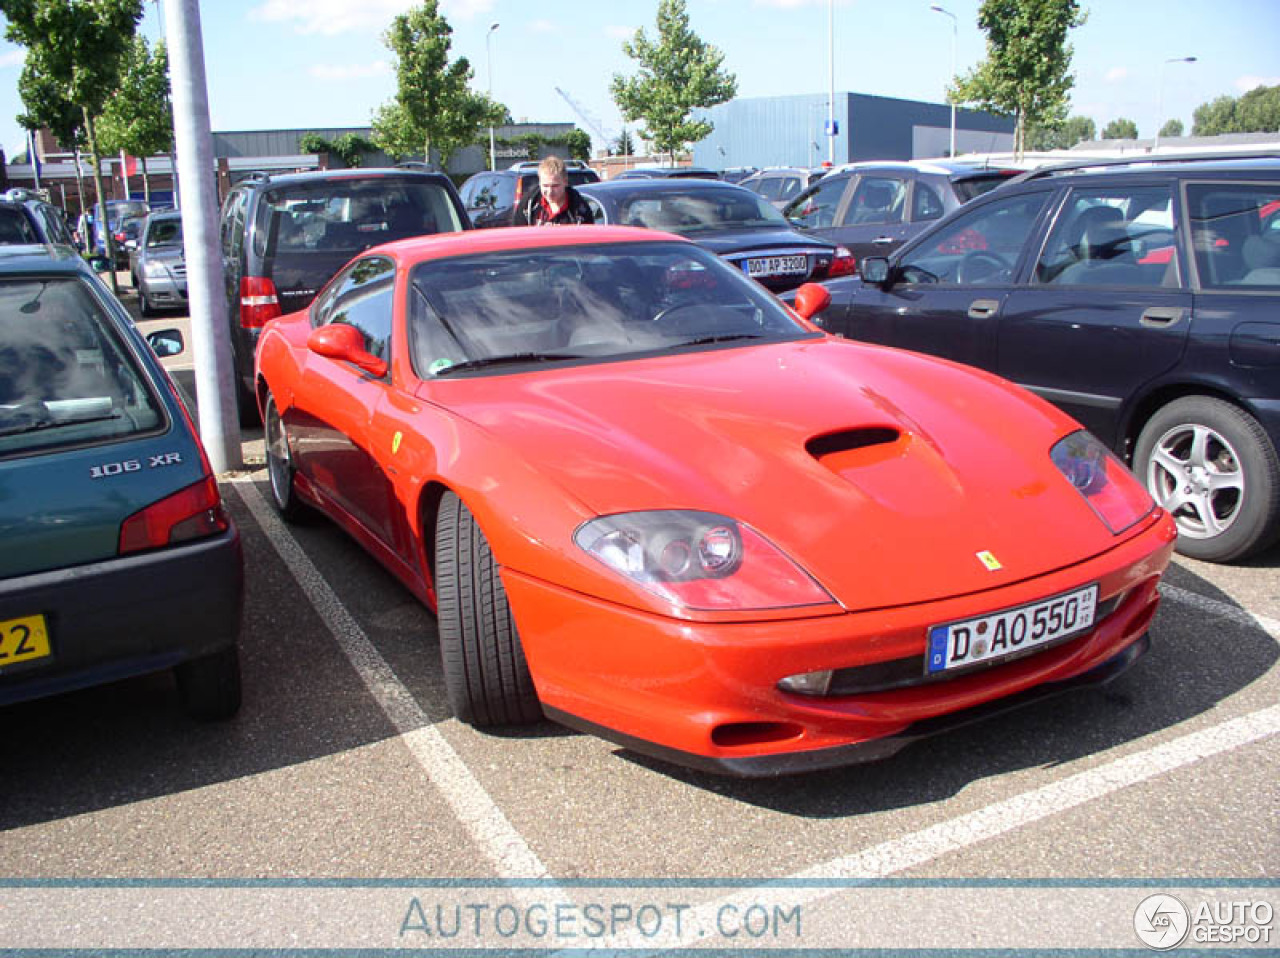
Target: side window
(1112,237)
(926,204)
(981,246)
(789,187)
(361,296)
(818,207)
(597,211)
(1235,233)
(768,187)
(878,199)
(233,225)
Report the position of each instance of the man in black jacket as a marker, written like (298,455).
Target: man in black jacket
(556,203)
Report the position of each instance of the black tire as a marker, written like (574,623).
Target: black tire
(280,470)
(209,687)
(144,304)
(1212,466)
(485,672)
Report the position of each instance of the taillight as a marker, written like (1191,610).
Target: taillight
(191,513)
(259,303)
(519,189)
(842,264)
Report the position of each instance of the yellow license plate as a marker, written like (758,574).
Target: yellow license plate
(23,639)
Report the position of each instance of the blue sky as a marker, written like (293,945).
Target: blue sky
(321,63)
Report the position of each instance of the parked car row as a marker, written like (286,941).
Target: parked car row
(1143,298)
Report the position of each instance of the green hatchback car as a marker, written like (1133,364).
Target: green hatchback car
(118,557)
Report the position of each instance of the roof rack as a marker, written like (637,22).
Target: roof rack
(1148,159)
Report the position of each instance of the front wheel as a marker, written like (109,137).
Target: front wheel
(1212,466)
(280,469)
(485,672)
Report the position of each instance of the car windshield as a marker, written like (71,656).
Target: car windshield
(600,302)
(65,377)
(165,232)
(350,215)
(693,211)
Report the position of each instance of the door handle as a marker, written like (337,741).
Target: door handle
(983,308)
(1159,316)
(882,240)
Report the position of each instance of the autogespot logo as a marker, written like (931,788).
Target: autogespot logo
(1161,922)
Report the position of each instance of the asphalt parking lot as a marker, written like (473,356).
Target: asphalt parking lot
(345,764)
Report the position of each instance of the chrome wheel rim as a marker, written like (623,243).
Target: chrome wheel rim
(279,465)
(1195,474)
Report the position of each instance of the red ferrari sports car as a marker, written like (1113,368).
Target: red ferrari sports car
(647,500)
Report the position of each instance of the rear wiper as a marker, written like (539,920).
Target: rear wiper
(37,415)
(722,338)
(507,359)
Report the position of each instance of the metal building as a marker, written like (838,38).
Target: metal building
(791,131)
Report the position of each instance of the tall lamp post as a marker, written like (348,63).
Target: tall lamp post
(488,60)
(1160,96)
(955,29)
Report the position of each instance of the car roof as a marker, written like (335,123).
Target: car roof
(1181,164)
(467,242)
(45,258)
(356,173)
(660,184)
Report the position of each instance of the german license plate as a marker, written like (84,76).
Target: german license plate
(23,639)
(1001,634)
(765,266)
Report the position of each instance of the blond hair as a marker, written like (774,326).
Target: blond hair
(552,167)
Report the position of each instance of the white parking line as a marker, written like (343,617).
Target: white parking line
(480,817)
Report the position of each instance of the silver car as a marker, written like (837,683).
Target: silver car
(157,266)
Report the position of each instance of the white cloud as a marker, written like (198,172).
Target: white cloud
(1117,75)
(619,32)
(333,17)
(13,58)
(350,71)
(1246,83)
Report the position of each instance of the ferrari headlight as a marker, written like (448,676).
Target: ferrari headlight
(699,560)
(1111,490)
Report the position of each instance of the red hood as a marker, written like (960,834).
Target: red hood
(730,431)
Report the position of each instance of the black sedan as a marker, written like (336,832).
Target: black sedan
(732,222)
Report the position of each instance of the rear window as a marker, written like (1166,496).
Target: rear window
(688,212)
(15,228)
(349,216)
(65,377)
(973,186)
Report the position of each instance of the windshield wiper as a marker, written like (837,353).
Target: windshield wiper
(507,359)
(722,338)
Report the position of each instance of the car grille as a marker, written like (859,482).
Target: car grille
(903,673)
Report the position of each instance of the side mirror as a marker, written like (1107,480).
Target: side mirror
(874,269)
(811,299)
(166,342)
(345,344)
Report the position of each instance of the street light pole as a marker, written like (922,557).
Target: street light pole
(955,30)
(1160,97)
(488,59)
(831,84)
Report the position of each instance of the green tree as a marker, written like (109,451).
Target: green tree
(1214,117)
(1258,111)
(434,108)
(349,147)
(139,119)
(1120,129)
(1026,72)
(625,144)
(1171,128)
(75,49)
(579,144)
(678,74)
(1076,129)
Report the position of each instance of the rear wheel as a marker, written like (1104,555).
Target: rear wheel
(1212,466)
(280,469)
(209,687)
(485,672)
